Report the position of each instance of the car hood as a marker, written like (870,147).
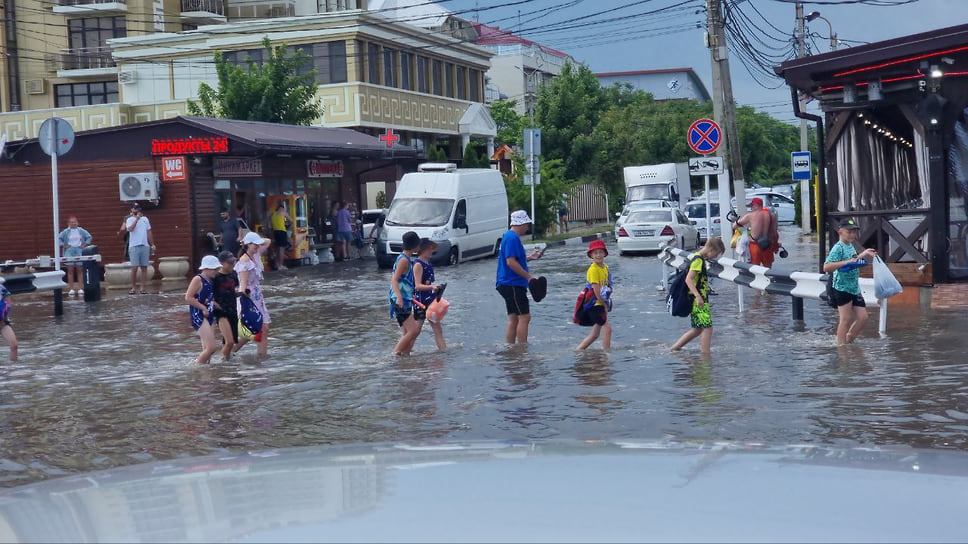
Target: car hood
(549,491)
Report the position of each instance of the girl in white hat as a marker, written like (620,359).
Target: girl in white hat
(200,297)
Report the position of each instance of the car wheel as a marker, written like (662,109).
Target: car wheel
(454,257)
(622,253)
(497,247)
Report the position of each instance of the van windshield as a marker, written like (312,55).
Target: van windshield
(699,210)
(659,191)
(419,212)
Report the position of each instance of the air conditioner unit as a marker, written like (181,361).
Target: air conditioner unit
(35,86)
(139,186)
(127,77)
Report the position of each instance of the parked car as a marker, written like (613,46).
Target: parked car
(779,203)
(651,229)
(372,218)
(696,212)
(638,205)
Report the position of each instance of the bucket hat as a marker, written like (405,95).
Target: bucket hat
(520,217)
(209,262)
(596,244)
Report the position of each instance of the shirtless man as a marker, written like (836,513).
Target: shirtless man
(763,233)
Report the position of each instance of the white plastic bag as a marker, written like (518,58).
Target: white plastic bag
(885,284)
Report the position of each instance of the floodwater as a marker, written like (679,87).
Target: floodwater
(113,383)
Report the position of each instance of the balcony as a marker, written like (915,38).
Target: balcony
(260,9)
(86,61)
(90,7)
(203,11)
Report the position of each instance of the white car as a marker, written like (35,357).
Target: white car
(651,229)
(696,212)
(781,204)
(639,205)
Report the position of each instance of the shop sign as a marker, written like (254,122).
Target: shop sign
(238,167)
(190,146)
(173,169)
(324,169)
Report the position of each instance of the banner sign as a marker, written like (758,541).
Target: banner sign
(173,169)
(190,146)
(237,167)
(324,169)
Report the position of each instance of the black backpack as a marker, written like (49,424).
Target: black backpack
(680,299)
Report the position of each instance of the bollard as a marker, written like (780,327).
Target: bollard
(797,309)
(92,276)
(882,321)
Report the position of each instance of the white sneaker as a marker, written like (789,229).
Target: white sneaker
(71,293)
(80,292)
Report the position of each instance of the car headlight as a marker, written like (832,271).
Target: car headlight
(382,235)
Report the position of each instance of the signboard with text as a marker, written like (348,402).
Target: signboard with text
(324,169)
(237,167)
(190,146)
(173,169)
(800,165)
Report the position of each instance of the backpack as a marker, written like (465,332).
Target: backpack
(586,299)
(680,299)
(831,300)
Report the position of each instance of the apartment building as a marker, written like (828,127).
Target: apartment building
(107,63)
(662,84)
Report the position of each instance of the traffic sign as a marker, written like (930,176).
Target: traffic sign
(800,164)
(706,166)
(704,136)
(63,134)
(532,141)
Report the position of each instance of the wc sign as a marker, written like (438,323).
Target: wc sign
(173,169)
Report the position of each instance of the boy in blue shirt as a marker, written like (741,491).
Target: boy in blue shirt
(847,295)
(513,278)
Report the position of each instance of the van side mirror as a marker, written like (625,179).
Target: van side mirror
(460,222)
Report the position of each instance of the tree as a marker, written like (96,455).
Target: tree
(274,91)
(436,154)
(510,124)
(546,195)
(471,158)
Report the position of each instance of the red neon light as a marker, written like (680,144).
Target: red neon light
(190,146)
(901,61)
(918,75)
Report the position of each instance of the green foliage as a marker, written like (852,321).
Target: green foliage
(381,199)
(472,159)
(546,195)
(510,124)
(273,91)
(436,154)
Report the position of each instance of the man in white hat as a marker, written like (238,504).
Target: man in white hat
(513,278)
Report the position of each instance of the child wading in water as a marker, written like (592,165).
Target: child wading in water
(200,297)
(401,295)
(698,282)
(599,282)
(6,330)
(847,295)
(425,290)
(226,283)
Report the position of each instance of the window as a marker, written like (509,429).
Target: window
(329,60)
(389,67)
(86,94)
(422,85)
(406,71)
(94,32)
(449,79)
(438,88)
(373,63)
(462,83)
(475,84)
(245,56)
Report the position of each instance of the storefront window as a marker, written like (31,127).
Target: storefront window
(406,76)
(422,74)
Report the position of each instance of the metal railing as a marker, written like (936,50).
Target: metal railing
(83,58)
(208,6)
(88,2)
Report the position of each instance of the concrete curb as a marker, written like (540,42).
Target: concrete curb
(581,240)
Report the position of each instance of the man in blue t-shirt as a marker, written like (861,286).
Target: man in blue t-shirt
(513,278)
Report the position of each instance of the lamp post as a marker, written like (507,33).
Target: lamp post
(833,37)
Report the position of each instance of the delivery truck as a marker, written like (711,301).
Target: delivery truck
(669,182)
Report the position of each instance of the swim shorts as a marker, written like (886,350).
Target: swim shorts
(515,299)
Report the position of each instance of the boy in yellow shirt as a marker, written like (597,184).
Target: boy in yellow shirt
(600,283)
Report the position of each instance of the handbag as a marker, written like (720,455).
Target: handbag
(885,284)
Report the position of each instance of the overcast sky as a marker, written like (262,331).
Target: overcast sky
(670,38)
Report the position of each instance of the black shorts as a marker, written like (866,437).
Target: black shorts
(515,299)
(596,315)
(233,321)
(419,313)
(841,298)
(401,314)
(281,238)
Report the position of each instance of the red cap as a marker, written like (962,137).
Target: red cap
(596,244)
(757,201)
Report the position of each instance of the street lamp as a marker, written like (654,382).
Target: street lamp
(833,37)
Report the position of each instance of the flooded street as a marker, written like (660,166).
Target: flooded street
(113,383)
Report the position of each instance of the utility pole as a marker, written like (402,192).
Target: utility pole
(719,55)
(804,184)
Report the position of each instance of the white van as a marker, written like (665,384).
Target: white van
(464,210)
